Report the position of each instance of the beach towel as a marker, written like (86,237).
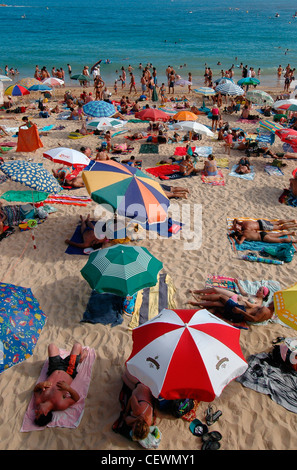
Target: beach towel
(220,281)
(203,151)
(46,128)
(248,176)
(68,200)
(182,151)
(216,180)
(288,198)
(264,377)
(164,229)
(222,162)
(273,170)
(103,308)
(7,231)
(71,417)
(151,300)
(28,139)
(167,172)
(149,148)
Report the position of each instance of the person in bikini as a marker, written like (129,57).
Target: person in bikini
(139,412)
(56,393)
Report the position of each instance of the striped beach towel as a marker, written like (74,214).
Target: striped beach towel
(69,200)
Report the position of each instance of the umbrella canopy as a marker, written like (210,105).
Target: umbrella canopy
(278,104)
(33,175)
(81,77)
(128,190)
(292,108)
(52,81)
(289,136)
(152,114)
(259,97)
(248,81)
(193,126)
(39,87)
(229,88)
(185,116)
(16,90)
(106,123)
(121,269)
(223,80)
(205,91)
(5,78)
(285,305)
(99,109)
(67,156)
(21,322)
(28,81)
(182,82)
(186,354)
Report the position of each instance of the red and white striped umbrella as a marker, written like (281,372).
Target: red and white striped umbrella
(186,354)
(67,156)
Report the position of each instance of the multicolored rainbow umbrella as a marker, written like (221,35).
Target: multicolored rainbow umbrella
(21,322)
(128,191)
(16,90)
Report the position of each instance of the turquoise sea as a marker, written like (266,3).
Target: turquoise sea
(186,34)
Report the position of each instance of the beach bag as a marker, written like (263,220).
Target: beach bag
(284,253)
(153,439)
(285,354)
(179,408)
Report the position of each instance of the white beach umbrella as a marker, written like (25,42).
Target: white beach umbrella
(280,103)
(205,91)
(67,156)
(259,97)
(182,82)
(53,81)
(105,123)
(193,126)
(229,88)
(4,78)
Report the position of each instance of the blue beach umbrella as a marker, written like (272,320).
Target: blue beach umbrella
(99,109)
(40,88)
(21,322)
(229,88)
(248,81)
(33,175)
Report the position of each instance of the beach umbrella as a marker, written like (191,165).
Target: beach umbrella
(285,305)
(193,126)
(40,87)
(185,116)
(121,269)
(205,91)
(278,104)
(106,123)
(289,136)
(229,88)
(128,190)
(292,108)
(182,82)
(16,90)
(5,78)
(223,80)
(81,77)
(33,175)
(152,114)
(270,125)
(21,322)
(28,81)
(186,354)
(248,81)
(53,81)
(259,97)
(99,109)
(67,156)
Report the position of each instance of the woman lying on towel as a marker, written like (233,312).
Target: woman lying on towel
(139,413)
(243,166)
(66,178)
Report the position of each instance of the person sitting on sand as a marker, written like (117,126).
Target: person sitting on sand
(293,185)
(139,412)
(89,238)
(56,393)
(212,294)
(175,191)
(66,178)
(252,235)
(243,166)
(246,114)
(187,168)
(266,225)
(234,312)
(102,153)
(210,166)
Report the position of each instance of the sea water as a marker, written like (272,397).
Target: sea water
(186,34)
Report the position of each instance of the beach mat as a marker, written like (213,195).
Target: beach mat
(273,170)
(216,180)
(248,176)
(77,238)
(151,300)
(71,417)
(104,308)
(166,172)
(264,377)
(68,200)
(149,148)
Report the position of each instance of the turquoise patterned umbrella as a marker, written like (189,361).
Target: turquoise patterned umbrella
(33,175)
(21,322)
(99,109)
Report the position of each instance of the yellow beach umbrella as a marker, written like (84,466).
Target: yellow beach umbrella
(28,81)
(285,305)
(185,116)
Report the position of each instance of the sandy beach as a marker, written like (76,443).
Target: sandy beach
(250,420)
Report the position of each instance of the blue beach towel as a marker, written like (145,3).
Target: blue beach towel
(249,176)
(103,308)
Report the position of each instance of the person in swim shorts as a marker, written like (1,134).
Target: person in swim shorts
(262,236)
(265,225)
(56,393)
(89,238)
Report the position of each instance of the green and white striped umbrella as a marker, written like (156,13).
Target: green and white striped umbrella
(259,97)
(121,269)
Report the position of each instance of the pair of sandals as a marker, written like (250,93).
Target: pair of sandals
(211,439)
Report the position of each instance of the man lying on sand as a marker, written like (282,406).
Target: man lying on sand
(89,238)
(56,393)
(263,225)
(252,235)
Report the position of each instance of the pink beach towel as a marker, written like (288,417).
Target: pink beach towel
(217,180)
(71,417)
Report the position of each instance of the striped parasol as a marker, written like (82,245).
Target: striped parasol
(121,269)
(16,90)
(229,88)
(127,190)
(205,91)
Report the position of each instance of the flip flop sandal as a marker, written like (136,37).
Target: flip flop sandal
(212,436)
(212,417)
(211,445)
